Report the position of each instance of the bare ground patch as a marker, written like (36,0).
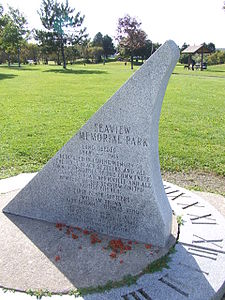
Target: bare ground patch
(195,180)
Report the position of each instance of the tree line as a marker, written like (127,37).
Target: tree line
(64,39)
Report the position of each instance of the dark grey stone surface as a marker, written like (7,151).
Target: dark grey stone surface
(107,177)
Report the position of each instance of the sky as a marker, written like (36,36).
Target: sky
(190,21)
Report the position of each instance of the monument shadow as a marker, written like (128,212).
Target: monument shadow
(86,265)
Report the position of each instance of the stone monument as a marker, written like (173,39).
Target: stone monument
(107,177)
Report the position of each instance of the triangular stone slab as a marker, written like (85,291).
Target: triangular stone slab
(107,177)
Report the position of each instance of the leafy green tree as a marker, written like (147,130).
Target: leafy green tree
(184,57)
(211,47)
(95,52)
(184,46)
(14,33)
(146,51)
(106,43)
(216,58)
(130,36)
(98,40)
(156,46)
(62,24)
(108,46)
(1,12)
(47,44)
(8,39)
(96,48)
(72,53)
(84,49)
(21,32)
(30,51)
(3,21)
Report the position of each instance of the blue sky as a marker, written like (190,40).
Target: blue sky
(192,21)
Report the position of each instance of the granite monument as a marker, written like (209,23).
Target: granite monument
(107,177)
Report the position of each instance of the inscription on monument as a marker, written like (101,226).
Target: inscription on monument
(101,182)
(113,134)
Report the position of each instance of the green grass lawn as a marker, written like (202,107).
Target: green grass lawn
(43,106)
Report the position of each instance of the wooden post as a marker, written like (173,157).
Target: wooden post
(189,61)
(202,59)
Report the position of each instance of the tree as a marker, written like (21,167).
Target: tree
(1,12)
(1,17)
(184,46)
(184,57)
(96,48)
(72,53)
(30,51)
(62,24)
(20,24)
(105,42)
(47,44)
(95,53)
(146,51)
(85,49)
(216,58)
(14,32)
(130,36)
(9,40)
(107,45)
(156,46)
(98,40)
(211,47)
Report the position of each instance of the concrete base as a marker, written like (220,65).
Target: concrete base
(37,255)
(30,248)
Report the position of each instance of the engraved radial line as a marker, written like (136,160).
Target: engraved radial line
(201,217)
(203,251)
(209,241)
(193,269)
(135,296)
(173,286)
(174,198)
(187,206)
(144,294)
(172,192)
(201,255)
(125,297)
(202,247)
(213,242)
(166,187)
(204,223)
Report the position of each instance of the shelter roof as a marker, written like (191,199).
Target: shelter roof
(195,49)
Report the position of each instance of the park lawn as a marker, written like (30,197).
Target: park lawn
(43,106)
